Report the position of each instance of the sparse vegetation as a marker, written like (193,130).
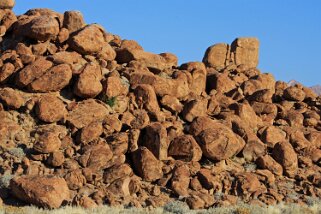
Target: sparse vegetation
(174,208)
(17,152)
(5,180)
(250,167)
(109,101)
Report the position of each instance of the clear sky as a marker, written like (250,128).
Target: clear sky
(289,30)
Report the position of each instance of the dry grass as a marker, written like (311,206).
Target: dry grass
(175,208)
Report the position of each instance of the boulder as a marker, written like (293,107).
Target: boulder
(6,71)
(117,172)
(11,98)
(194,108)
(146,98)
(7,4)
(156,140)
(73,21)
(42,28)
(293,93)
(48,138)
(181,180)
(88,40)
(33,71)
(114,86)
(217,55)
(245,51)
(267,162)
(88,84)
(285,155)
(273,135)
(79,116)
(43,191)
(219,143)
(96,156)
(50,109)
(54,79)
(90,132)
(185,148)
(146,165)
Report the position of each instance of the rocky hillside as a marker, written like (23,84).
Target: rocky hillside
(88,118)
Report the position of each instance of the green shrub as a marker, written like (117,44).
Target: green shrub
(109,101)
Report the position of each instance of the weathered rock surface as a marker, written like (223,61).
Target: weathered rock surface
(51,109)
(88,84)
(284,154)
(11,98)
(219,143)
(185,148)
(42,28)
(73,21)
(146,164)
(33,71)
(217,55)
(7,4)
(96,156)
(43,191)
(88,40)
(246,51)
(54,79)
(87,112)
(156,140)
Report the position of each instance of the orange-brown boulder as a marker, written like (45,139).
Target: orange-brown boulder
(88,40)
(146,165)
(50,109)
(285,155)
(245,51)
(44,191)
(185,148)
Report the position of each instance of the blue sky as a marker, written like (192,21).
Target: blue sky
(289,30)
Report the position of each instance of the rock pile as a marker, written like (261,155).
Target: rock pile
(87,118)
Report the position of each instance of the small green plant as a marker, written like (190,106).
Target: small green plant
(109,101)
